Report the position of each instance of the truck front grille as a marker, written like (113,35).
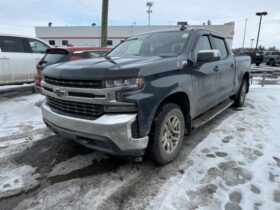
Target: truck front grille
(75,109)
(73,83)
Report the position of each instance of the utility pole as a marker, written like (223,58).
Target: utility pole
(259,14)
(244,33)
(149,11)
(104,22)
(252,40)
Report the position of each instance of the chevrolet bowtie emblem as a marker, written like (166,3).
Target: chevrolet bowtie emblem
(59,92)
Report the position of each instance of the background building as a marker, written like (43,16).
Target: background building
(90,35)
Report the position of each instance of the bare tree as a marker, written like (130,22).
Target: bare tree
(272,48)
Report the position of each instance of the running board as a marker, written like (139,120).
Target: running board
(212,113)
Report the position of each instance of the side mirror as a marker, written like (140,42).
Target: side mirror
(205,56)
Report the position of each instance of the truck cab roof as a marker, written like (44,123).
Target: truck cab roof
(189,30)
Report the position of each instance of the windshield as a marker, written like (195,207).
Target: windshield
(164,44)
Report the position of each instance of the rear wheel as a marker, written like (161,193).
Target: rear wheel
(167,134)
(240,99)
(257,64)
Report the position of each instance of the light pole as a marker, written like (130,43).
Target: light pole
(244,33)
(149,11)
(260,14)
(252,40)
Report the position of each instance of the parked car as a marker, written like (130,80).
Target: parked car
(272,58)
(143,94)
(58,55)
(256,57)
(266,53)
(18,58)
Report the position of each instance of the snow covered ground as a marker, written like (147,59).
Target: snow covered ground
(237,166)
(233,162)
(21,123)
(20,114)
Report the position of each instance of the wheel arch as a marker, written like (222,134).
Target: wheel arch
(183,101)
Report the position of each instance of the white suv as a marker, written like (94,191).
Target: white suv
(19,56)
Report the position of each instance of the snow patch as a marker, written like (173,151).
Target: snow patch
(9,143)
(21,114)
(11,147)
(16,180)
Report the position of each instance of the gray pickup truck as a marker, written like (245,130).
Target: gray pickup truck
(146,94)
(272,58)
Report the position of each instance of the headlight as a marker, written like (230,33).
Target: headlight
(129,83)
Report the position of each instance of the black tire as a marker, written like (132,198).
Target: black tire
(267,63)
(161,138)
(258,64)
(271,62)
(240,98)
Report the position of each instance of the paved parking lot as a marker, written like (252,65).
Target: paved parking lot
(218,167)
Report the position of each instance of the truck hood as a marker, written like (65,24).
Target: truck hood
(100,68)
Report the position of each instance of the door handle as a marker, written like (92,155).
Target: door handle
(232,65)
(216,69)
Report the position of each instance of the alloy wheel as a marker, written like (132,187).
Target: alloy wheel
(171,134)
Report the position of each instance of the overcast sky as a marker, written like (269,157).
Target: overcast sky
(20,16)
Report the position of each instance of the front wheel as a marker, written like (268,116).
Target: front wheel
(167,134)
(240,99)
(258,64)
(271,62)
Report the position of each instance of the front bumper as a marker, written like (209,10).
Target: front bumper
(110,133)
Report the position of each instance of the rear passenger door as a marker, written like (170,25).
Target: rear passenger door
(14,61)
(226,69)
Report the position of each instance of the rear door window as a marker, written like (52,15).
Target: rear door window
(11,44)
(37,46)
(221,46)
